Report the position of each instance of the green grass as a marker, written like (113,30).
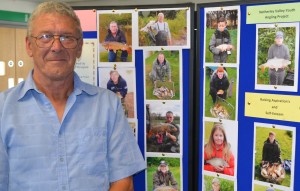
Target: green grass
(232,73)
(152,169)
(173,59)
(208,125)
(231,58)
(285,143)
(225,185)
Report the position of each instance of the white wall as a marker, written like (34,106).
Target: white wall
(17,6)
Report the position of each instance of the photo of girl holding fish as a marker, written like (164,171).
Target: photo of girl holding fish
(219,153)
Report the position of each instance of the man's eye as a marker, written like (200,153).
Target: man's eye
(45,36)
(62,38)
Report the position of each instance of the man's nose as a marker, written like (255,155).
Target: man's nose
(56,44)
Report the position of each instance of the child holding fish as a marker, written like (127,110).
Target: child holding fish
(277,51)
(220,42)
(217,154)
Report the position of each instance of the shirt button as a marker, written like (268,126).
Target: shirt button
(61,159)
(64,187)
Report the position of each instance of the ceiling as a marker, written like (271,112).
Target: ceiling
(39,1)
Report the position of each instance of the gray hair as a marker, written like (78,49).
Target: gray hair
(160,14)
(54,7)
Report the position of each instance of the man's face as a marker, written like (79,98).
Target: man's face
(215,186)
(161,58)
(161,18)
(114,77)
(54,62)
(221,26)
(163,168)
(169,117)
(113,28)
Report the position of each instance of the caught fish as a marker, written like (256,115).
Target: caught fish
(219,111)
(163,127)
(275,63)
(165,188)
(147,27)
(224,47)
(163,92)
(217,162)
(113,45)
(273,172)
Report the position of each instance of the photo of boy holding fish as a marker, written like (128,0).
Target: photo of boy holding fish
(221,35)
(276,56)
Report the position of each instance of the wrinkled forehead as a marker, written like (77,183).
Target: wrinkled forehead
(55,23)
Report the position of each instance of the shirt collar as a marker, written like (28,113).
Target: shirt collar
(79,86)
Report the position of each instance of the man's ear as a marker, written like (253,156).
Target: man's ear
(28,46)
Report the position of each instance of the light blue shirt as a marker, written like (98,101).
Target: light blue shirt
(91,147)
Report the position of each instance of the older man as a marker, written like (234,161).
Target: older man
(57,132)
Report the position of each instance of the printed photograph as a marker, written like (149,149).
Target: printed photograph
(222,35)
(122,82)
(262,187)
(220,92)
(162,74)
(167,27)
(163,174)
(277,56)
(115,36)
(274,154)
(220,147)
(163,126)
(212,183)
(133,124)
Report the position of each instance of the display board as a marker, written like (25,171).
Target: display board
(248,67)
(146,51)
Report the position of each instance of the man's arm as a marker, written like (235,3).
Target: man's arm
(3,167)
(169,71)
(125,184)
(173,181)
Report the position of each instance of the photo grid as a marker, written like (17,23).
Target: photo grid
(220,109)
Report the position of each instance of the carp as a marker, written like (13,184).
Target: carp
(217,162)
(113,45)
(275,63)
(165,188)
(223,47)
(163,127)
